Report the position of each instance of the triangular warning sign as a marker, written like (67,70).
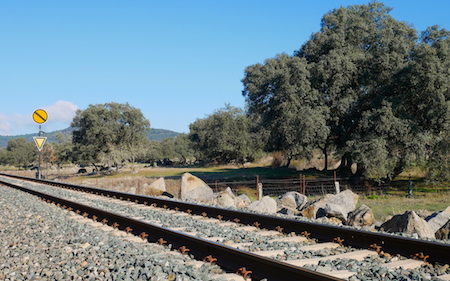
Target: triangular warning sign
(40,141)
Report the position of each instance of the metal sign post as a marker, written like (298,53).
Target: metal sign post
(40,117)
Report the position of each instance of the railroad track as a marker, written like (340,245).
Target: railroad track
(270,264)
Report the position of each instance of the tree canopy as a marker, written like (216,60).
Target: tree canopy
(108,133)
(225,136)
(366,86)
(20,152)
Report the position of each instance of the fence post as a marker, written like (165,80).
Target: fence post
(259,191)
(337,187)
(304,184)
(336,184)
(302,187)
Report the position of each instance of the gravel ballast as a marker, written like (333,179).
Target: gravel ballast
(39,242)
(90,254)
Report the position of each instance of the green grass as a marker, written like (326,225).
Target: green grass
(390,205)
(231,173)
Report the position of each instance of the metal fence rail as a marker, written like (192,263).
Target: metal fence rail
(308,187)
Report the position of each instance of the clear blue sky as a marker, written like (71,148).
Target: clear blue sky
(176,61)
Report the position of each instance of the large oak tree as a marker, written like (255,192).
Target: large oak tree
(366,86)
(108,134)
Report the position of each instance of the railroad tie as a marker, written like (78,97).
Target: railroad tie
(215,239)
(405,264)
(230,277)
(445,277)
(357,255)
(270,253)
(315,247)
(298,239)
(320,246)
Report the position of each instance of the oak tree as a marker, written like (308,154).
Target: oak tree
(108,134)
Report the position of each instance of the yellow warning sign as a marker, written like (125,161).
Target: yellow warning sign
(40,116)
(39,141)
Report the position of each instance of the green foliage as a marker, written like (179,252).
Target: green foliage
(178,149)
(152,152)
(109,134)
(365,86)
(439,163)
(279,94)
(225,136)
(19,152)
(4,160)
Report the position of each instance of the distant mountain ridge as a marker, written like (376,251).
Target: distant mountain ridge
(153,135)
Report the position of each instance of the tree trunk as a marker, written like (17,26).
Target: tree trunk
(289,159)
(345,168)
(324,151)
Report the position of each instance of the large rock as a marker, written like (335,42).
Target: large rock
(438,220)
(288,211)
(336,211)
(229,192)
(424,214)
(333,205)
(159,184)
(266,205)
(409,223)
(225,198)
(362,216)
(444,232)
(242,201)
(310,209)
(291,200)
(325,220)
(194,189)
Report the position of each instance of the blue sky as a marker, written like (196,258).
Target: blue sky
(176,61)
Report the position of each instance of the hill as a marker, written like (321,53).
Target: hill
(154,135)
(160,134)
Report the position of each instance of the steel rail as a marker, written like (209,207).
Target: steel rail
(227,257)
(437,252)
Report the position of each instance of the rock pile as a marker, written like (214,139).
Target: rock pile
(291,203)
(436,225)
(332,205)
(332,208)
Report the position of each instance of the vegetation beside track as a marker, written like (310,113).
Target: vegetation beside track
(390,202)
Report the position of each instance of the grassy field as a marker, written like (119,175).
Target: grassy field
(390,202)
(389,205)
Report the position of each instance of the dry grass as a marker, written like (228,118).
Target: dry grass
(250,192)
(128,180)
(318,163)
(131,184)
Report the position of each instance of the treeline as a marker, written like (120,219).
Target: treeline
(113,134)
(366,89)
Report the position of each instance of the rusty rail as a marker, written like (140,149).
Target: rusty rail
(227,257)
(409,247)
